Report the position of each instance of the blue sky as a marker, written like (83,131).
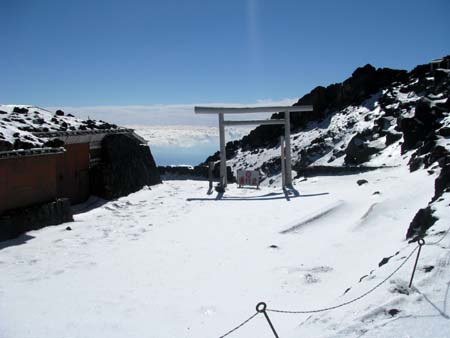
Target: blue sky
(121,53)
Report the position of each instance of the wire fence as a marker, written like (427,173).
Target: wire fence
(420,242)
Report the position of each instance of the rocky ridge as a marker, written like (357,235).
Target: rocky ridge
(376,118)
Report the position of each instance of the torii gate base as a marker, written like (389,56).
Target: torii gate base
(286,145)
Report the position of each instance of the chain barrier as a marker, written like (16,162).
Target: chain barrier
(262,307)
(354,299)
(240,325)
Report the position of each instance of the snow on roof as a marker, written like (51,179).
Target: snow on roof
(27,127)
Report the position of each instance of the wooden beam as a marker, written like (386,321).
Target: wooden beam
(248,110)
(253,122)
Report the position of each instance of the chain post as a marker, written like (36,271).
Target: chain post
(421,243)
(261,308)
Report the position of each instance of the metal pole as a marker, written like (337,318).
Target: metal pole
(421,243)
(210,174)
(287,136)
(261,308)
(283,164)
(223,159)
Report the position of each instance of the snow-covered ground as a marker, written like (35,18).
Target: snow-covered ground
(173,261)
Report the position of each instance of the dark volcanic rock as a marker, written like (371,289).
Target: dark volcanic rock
(392,138)
(442,182)
(421,222)
(19,144)
(126,166)
(6,146)
(59,113)
(183,172)
(20,110)
(413,132)
(358,151)
(364,82)
(445,131)
(16,222)
(419,127)
(361,182)
(198,172)
(55,143)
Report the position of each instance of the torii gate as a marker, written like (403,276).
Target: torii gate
(221,111)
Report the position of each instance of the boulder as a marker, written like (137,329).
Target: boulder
(425,114)
(362,182)
(19,144)
(358,151)
(126,166)
(444,131)
(6,146)
(392,137)
(442,182)
(421,222)
(20,110)
(54,143)
(414,131)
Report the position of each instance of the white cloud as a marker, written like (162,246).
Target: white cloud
(186,136)
(162,114)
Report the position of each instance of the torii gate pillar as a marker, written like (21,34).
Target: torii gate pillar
(223,155)
(287,138)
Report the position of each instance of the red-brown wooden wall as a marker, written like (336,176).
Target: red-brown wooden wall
(73,173)
(29,180)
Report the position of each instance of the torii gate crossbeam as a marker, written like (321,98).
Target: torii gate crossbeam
(221,111)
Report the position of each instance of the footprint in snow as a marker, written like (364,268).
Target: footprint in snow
(310,278)
(208,310)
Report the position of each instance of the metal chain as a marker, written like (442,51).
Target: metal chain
(240,325)
(342,304)
(354,299)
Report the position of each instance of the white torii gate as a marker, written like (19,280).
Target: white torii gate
(221,111)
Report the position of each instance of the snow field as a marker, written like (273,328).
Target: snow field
(172,261)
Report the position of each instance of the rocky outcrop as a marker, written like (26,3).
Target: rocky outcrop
(421,127)
(16,222)
(442,182)
(359,150)
(126,166)
(421,222)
